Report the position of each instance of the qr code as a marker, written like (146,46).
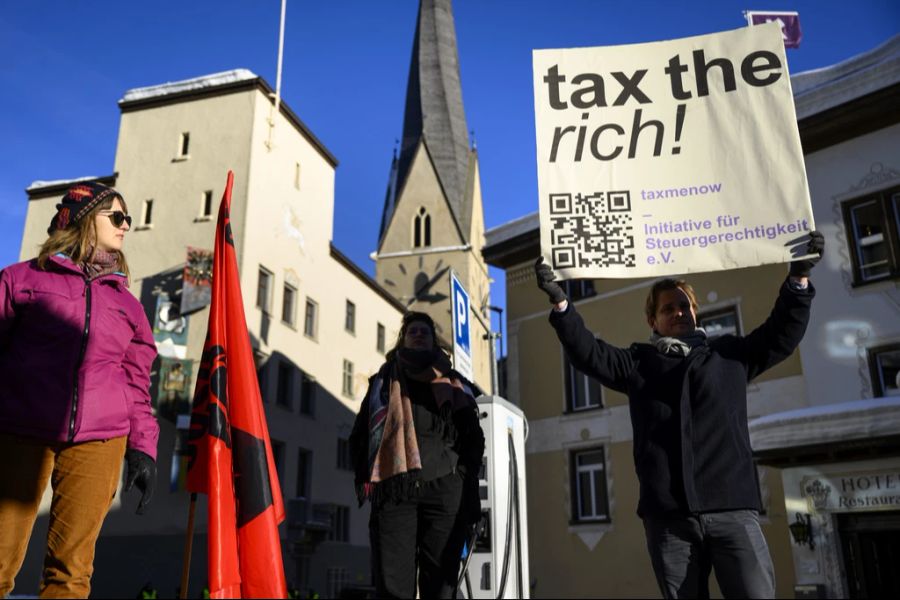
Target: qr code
(591,230)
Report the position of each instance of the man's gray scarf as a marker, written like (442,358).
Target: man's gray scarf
(678,346)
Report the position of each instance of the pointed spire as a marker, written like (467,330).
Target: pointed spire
(434,108)
(390,198)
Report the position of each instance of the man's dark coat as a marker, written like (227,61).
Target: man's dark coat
(689,414)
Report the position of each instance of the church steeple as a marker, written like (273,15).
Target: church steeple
(433,219)
(434,114)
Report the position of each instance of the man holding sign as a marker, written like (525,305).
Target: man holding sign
(699,496)
(678,157)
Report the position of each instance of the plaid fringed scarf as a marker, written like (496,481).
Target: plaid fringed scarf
(393,453)
(100,263)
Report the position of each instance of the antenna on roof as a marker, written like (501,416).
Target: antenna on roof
(275,110)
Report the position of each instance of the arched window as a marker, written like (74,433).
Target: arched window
(422,229)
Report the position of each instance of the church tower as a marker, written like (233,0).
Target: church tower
(433,219)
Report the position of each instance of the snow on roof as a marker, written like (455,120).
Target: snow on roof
(511,229)
(827,423)
(197,83)
(38,184)
(821,89)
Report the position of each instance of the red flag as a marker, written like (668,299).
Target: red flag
(230,455)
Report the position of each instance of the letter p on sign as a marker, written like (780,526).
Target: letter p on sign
(461,316)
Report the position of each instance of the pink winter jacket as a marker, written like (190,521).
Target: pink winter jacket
(75,357)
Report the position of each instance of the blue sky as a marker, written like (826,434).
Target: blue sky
(66,63)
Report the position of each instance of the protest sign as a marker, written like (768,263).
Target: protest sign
(788,21)
(173,395)
(170,329)
(669,157)
(196,289)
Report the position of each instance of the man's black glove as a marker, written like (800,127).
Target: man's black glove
(545,281)
(141,471)
(816,245)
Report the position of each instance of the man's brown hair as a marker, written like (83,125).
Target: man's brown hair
(664,285)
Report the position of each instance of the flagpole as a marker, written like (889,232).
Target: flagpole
(188,546)
(274,112)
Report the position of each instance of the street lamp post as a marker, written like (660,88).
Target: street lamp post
(495,359)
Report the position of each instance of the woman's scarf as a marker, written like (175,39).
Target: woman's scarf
(679,346)
(393,456)
(100,263)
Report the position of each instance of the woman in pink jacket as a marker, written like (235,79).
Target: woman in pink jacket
(75,356)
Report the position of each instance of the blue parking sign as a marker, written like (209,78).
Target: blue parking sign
(462,347)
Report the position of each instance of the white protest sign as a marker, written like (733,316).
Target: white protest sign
(669,157)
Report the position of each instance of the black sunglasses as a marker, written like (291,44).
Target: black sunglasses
(118,217)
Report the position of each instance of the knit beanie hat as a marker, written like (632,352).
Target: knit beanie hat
(78,201)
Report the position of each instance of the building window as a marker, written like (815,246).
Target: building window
(340,525)
(379,339)
(147,213)
(872,233)
(336,581)
(884,363)
(285,384)
(309,319)
(297,175)
(350,318)
(264,290)
(589,496)
(422,229)
(576,289)
(343,455)
(722,321)
(278,459)
(304,472)
(347,385)
(307,395)
(184,144)
(206,205)
(289,305)
(582,392)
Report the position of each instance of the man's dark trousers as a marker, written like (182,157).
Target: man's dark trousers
(683,550)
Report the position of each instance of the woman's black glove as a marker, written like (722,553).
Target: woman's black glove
(816,245)
(545,281)
(141,471)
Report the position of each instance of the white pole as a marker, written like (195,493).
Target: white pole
(275,111)
(280,57)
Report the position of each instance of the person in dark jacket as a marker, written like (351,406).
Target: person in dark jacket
(699,495)
(417,448)
(75,357)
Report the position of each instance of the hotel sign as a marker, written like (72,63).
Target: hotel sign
(852,492)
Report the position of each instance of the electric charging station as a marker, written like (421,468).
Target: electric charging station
(498,567)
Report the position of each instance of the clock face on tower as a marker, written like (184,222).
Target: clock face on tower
(426,285)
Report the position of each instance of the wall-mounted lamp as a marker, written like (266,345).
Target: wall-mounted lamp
(801,531)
